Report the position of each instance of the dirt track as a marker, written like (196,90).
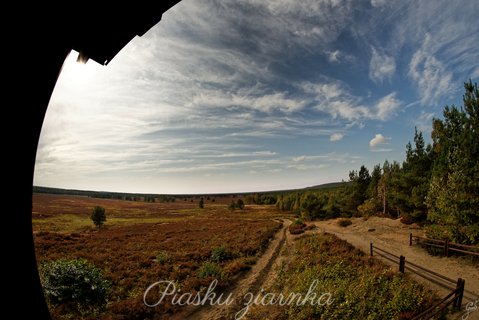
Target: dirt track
(256,278)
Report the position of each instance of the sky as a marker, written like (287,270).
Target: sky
(256,95)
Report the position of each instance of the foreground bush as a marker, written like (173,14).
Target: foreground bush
(76,284)
(210,269)
(220,254)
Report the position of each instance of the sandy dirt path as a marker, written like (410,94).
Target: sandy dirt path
(252,282)
(393,236)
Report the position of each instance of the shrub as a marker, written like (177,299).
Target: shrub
(220,254)
(240,204)
(344,222)
(98,216)
(163,257)
(210,269)
(438,232)
(299,222)
(76,283)
(297,227)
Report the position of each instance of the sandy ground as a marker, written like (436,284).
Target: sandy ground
(387,234)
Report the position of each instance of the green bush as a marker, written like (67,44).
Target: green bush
(163,257)
(240,204)
(344,222)
(98,216)
(297,227)
(210,269)
(220,254)
(299,222)
(74,282)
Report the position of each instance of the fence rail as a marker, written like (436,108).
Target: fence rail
(446,245)
(457,287)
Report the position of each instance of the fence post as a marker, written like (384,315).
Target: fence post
(446,248)
(371,248)
(410,239)
(402,263)
(459,294)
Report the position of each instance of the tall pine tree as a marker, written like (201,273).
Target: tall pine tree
(453,195)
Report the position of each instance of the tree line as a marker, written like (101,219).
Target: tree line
(437,185)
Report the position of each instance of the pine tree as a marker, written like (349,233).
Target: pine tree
(98,216)
(453,195)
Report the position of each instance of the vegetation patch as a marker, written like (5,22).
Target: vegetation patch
(132,256)
(360,286)
(344,222)
(210,269)
(163,257)
(297,227)
(220,254)
(75,286)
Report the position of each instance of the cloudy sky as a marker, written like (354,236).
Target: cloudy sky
(230,96)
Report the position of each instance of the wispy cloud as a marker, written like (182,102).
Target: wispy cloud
(334,56)
(317,162)
(338,101)
(338,56)
(336,137)
(387,106)
(381,66)
(299,159)
(378,3)
(475,74)
(424,122)
(335,99)
(430,74)
(381,150)
(264,103)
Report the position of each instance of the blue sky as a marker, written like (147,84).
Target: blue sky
(251,95)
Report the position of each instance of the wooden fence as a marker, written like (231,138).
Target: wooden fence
(456,288)
(445,245)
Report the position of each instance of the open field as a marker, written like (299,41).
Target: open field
(64,213)
(143,243)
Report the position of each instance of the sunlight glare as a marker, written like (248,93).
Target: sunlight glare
(77,71)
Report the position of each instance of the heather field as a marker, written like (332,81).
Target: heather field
(142,243)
